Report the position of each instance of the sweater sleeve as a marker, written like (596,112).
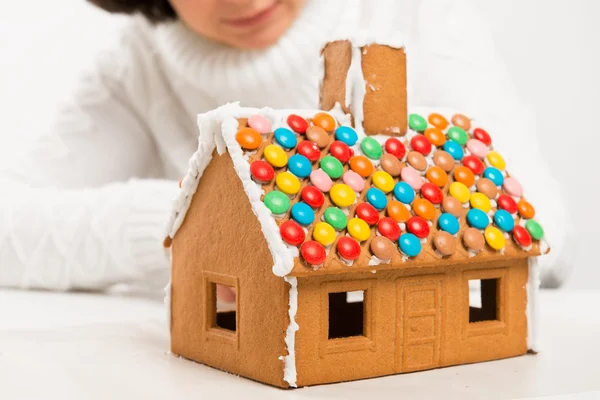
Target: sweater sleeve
(84,208)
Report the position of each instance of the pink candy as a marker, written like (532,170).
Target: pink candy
(321,180)
(513,187)
(354,180)
(477,148)
(412,177)
(260,124)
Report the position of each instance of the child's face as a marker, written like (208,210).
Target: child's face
(246,24)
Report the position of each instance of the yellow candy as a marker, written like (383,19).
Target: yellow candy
(383,181)
(495,238)
(496,160)
(481,201)
(288,183)
(324,233)
(342,195)
(276,156)
(359,229)
(460,192)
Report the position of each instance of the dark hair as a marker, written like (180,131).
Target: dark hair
(154,10)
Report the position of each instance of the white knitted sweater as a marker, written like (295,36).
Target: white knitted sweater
(86,207)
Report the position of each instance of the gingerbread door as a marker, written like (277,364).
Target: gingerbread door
(418,325)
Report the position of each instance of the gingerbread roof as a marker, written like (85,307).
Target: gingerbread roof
(332,200)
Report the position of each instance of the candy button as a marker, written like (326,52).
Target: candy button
(287,183)
(285,138)
(324,233)
(424,209)
(417,123)
(383,181)
(371,148)
(321,180)
(505,202)
(473,239)
(444,243)
(438,120)
(421,144)
(534,229)
(277,202)
(494,175)
(504,220)
(358,229)
(332,167)
(309,150)
(482,136)
(410,245)
(477,148)
(297,123)
(417,161)
(443,160)
(513,187)
(391,165)
(382,248)
(487,187)
(435,136)
(324,121)
(412,177)
(437,176)
(432,193)
(248,138)
(389,228)
(395,147)
(418,226)
(312,196)
(404,192)
(460,191)
(458,135)
(377,198)
(454,149)
(262,171)
(496,160)
(303,214)
(341,151)
(317,135)
(367,213)
(259,124)
(452,206)
(348,248)
(461,121)
(481,202)
(313,253)
(449,223)
(526,209)
(521,236)
(336,218)
(292,233)
(347,135)
(354,180)
(464,175)
(495,238)
(474,164)
(361,165)
(397,211)
(299,166)
(275,156)
(342,195)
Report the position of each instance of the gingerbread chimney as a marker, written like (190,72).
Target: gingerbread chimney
(369,82)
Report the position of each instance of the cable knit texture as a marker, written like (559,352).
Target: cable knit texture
(85,208)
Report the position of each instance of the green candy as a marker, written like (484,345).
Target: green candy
(535,230)
(371,148)
(417,123)
(336,218)
(277,202)
(458,135)
(332,167)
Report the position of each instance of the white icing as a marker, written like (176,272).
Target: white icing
(356,90)
(167,302)
(377,261)
(289,361)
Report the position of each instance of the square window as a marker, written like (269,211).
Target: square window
(346,314)
(223,307)
(483,300)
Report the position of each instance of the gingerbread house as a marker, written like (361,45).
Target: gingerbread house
(357,242)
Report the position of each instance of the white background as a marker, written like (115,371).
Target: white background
(551,48)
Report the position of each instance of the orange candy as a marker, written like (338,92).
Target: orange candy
(397,211)
(526,209)
(464,175)
(424,209)
(437,176)
(462,121)
(438,121)
(248,138)
(361,165)
(324,121)
(435,136)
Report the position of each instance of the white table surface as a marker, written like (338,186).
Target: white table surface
(87,346)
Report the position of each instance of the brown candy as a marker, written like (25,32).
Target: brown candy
(444,243)
(443,160)
(461,121)
(383,248)
(451,205)
(487,187)
(417,160)
(391,165)
(318,135)
(473,239)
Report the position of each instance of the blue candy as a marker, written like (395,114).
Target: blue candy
(347,135)
(410,244)
(377,198)
(449,223)
(494,175)
(404,192)
(286,138)
(504,220)
(299,166)
(454,149)
(477,218)
(303,213)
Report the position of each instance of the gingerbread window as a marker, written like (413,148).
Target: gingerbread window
(221,307)
(485,302)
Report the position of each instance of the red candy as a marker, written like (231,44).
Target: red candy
(482,135)
(507,203)
(421,144)
(389,228)
(313,253)
(521,236)
(262,171)
(309,150)
(297,123)
(395,147)
(341,151)
(418,227)
(474,164)
(367,213)
(348,248)
(432,193)
(313,196)
(292,233)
